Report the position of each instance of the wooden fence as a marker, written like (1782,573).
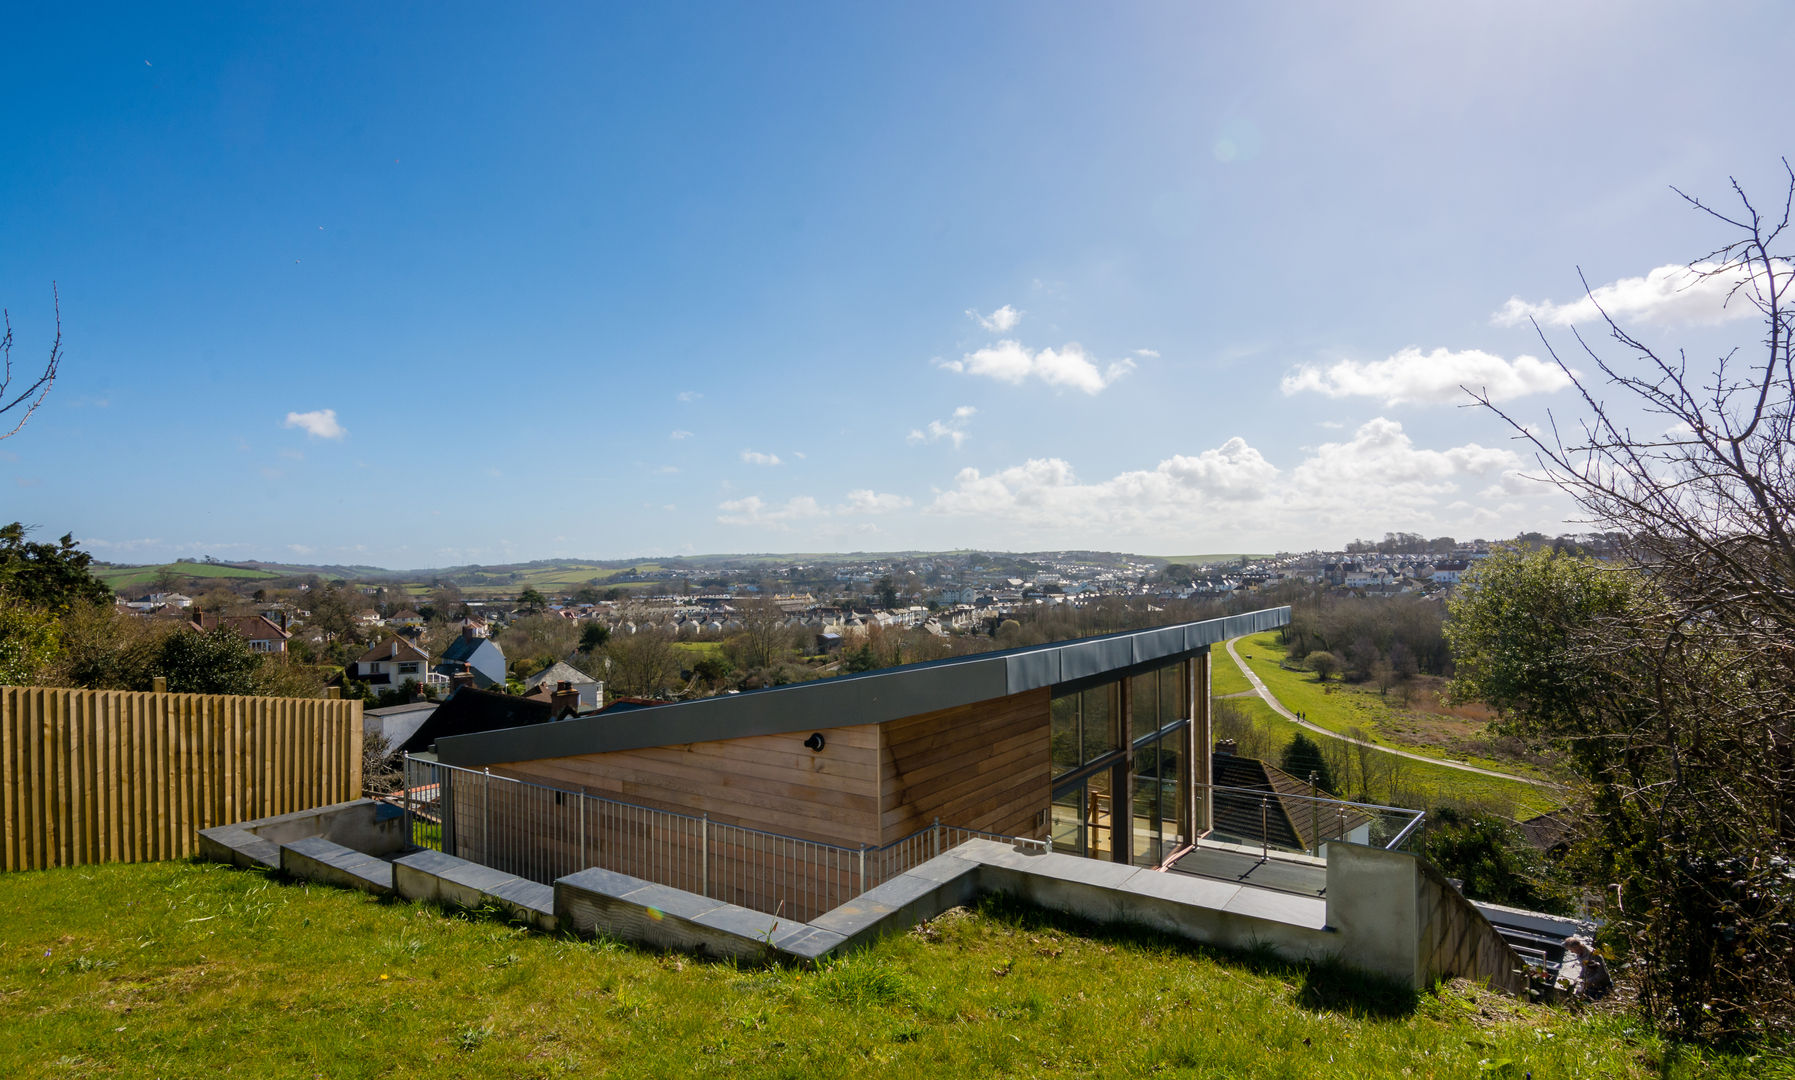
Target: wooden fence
(89,776)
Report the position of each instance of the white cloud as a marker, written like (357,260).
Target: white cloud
(1697,293)
(1151,354)
(753,510)
(1375,480)
(1433,378)
(952,429)
(1013,362)
(319,423)
(300,549)
(689,395)
(867,501)
(1001,321)
(755,457)
(680,433)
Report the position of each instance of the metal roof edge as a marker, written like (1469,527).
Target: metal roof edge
(874,697)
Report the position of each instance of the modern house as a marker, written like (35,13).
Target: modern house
(475,655)
(1101,743)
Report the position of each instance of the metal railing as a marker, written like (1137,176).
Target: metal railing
(542,833)
(1302,824)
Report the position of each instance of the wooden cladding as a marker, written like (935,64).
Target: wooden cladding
(89,776)
(769,782)
(980,766)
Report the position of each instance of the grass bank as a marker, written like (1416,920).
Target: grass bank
(193,969)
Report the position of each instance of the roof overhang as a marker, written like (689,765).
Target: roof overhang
(872,697)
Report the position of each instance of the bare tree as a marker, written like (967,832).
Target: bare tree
(18,403)
(1690,751)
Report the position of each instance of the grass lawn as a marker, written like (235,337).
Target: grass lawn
(1418,784)
(1224,675)
(1423,727)
(179,969)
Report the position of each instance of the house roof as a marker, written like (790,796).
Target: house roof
(1289,821)
(469,711)
(871,697)
(463,647)
(393,648)
(557,672)
(251,627)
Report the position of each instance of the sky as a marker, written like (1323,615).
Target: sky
(424,285)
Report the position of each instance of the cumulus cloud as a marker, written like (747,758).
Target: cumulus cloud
(1361,483)
(1014,363)
(688,395)
(753,510)
(319,423)
(952,429)
(679,433)
(1151,354)
(868,501)
(1697,293)
(1001,321)
(1431,378)
(755,457)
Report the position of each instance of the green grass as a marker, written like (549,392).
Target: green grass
(125,577)
(1224,675)
(700,649)
(1340,707)
(169,969)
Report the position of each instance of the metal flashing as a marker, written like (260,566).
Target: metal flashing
(871,698)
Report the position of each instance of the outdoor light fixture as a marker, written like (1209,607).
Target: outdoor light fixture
(815,742)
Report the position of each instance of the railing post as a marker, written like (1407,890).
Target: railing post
(486,819)
(411,836)
(937,850)
(862,870)
(583,862)
(704,854)
(1264,829)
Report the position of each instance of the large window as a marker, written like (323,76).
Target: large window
(1118,763)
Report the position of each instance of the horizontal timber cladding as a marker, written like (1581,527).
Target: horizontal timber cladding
(768,782)
(89,776)
(979,766)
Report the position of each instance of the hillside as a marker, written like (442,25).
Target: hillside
(196,969)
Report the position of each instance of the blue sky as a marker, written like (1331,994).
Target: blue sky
(414,286)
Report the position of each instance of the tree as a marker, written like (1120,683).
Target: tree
(18,402)
(51,576)
(1303,759)
(1679,709)
(593,636)
(532,600)
(29,643)
(1323,663)
(643,664)
(218,661)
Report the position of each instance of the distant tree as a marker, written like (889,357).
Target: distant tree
(51,576)
(587,594)
(887,591)
(593,636)
(1303,759)
(18,402)
(642,664)
(1323,663)
(532,600)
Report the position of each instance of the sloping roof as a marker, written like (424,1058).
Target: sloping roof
(1290,819)
(557,672)
(251,627)
(393,648)
(871,697)
(469,711)
(463,647)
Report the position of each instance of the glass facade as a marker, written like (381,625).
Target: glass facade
(1120,774)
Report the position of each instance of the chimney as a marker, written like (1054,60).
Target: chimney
(467,631)
(565,701)
(464,677)
(1224,748)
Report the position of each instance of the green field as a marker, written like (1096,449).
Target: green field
(127,577)
(179,969)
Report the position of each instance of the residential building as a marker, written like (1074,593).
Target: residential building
(263,636)
(479,656)
(389,663)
